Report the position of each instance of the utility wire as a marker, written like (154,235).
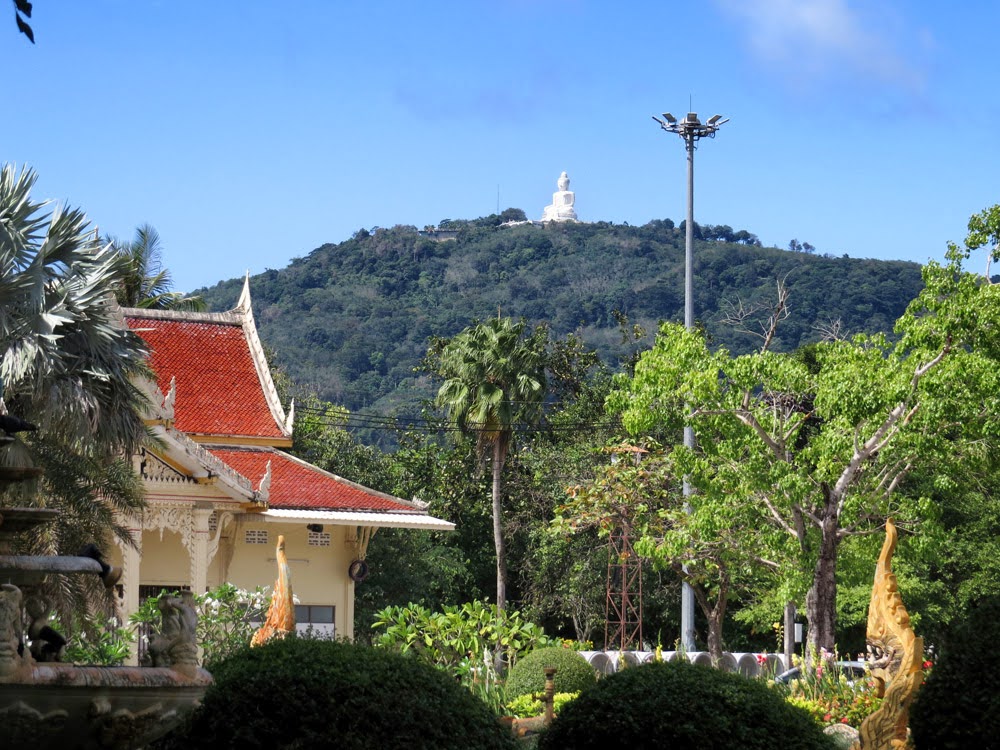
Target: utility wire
(353,419)
(446,424)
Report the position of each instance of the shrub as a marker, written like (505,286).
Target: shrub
(97,643)
(527,676)
(526,706)
(471,642)
(959,705)
(680,705)
(299,693)
(447,638)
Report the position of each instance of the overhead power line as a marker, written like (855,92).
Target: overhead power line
(357,420)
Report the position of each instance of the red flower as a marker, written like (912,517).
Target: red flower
(844,720)
(927,664)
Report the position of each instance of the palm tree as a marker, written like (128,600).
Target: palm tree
(494,381)
(148,283)
(68,364)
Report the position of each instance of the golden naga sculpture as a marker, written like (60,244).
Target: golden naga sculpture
(896,656)
(281,614)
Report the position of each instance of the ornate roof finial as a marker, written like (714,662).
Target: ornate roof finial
(244,302)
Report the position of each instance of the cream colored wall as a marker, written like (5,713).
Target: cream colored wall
(319,574)
(164,563)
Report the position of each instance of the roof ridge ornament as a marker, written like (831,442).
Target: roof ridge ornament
(264,491)
(244,303)
(170,399)
(290,419)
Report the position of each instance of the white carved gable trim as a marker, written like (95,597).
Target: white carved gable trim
(152,468)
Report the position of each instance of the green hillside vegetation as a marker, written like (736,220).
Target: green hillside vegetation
(352,320)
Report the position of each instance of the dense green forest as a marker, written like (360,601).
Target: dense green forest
(352,320)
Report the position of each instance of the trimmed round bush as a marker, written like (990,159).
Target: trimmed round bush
(303,694)
(959,705)
(573,673)
(683,706)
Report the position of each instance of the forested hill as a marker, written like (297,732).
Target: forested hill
(353,319)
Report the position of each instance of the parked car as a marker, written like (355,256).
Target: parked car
(852,670)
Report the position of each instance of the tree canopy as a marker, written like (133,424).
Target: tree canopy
(820,446)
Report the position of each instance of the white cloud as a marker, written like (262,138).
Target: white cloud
(810,39)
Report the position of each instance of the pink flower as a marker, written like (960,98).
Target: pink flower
(762,659)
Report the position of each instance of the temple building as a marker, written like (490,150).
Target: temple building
(220,487)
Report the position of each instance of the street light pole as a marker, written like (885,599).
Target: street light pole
(690,129)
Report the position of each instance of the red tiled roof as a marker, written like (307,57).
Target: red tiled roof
(296,484)
(218,389)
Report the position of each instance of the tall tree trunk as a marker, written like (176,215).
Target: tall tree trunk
(715,618)
(714,615)
(498,528)
(821,601)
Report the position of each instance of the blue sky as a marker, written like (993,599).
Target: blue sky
(251,132)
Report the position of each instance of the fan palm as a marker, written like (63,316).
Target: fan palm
(494,381)
(148,283)
(68,364)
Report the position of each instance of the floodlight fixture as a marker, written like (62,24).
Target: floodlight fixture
(691,128)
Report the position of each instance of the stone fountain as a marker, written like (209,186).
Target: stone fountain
(47,704)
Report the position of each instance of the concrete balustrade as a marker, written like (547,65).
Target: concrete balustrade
(747,664)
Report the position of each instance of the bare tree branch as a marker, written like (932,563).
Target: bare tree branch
(832,330)
(742,315)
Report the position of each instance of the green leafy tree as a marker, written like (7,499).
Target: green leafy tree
(713,550)
(494,382)
(148,283)
(822,452)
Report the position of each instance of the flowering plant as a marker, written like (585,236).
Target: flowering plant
(227,618)
(829,695)
(97,643)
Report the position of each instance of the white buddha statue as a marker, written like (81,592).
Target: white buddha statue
(562,203)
